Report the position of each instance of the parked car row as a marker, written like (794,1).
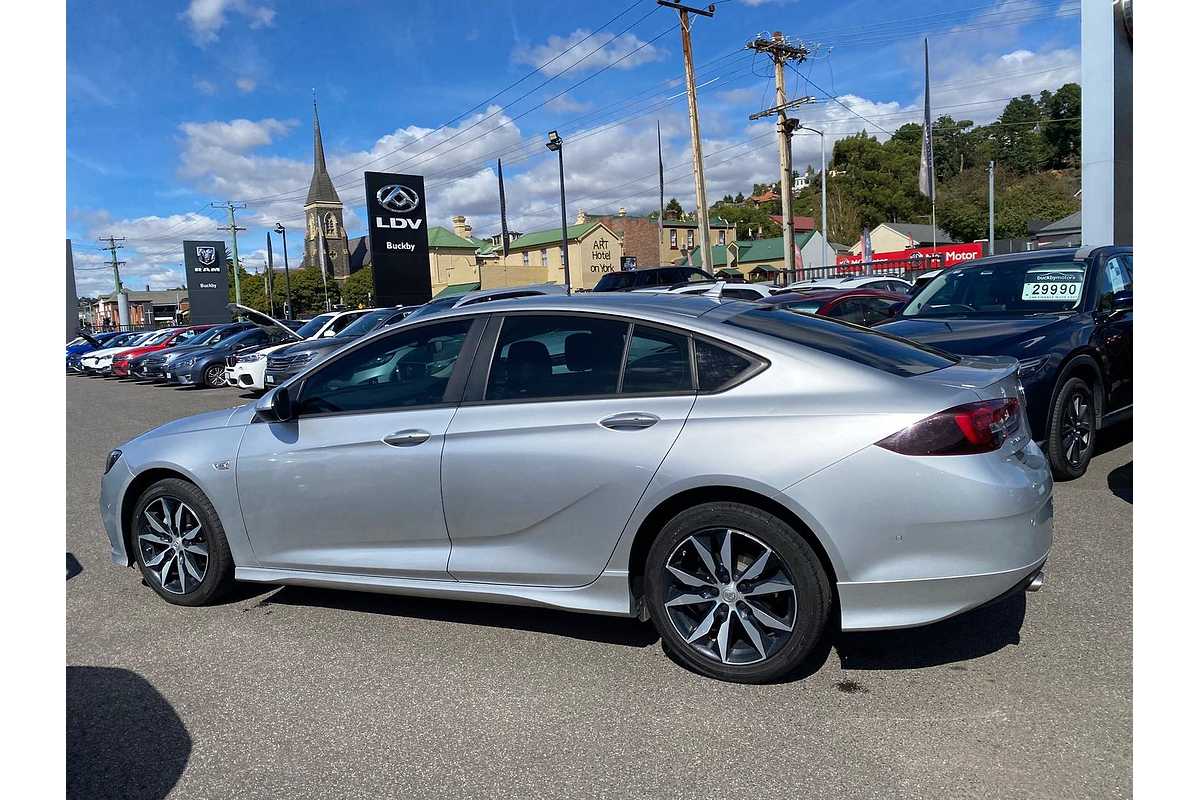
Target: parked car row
(738,471)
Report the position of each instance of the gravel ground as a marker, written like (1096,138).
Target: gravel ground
(312,693)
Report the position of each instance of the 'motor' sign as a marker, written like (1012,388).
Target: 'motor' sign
(399,239)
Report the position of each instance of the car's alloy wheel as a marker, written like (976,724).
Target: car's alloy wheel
(736,592)
(173,544)
(179,543)
(1071,441)
(1077,428)
(214,376)
(729,596)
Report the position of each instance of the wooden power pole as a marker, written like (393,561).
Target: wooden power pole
(685,31)
(781,52)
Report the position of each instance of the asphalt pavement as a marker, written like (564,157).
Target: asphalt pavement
(305,693)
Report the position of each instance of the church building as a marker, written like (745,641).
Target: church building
(323,216)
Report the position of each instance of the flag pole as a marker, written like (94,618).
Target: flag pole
(503,212)
(661,190)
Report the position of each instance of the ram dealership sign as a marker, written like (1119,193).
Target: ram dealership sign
(399,239)
(207,282)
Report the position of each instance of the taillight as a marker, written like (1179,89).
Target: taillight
(972,428)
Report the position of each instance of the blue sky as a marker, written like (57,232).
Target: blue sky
(172,105)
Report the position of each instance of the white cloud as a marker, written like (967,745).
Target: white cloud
(207,17)
(566,104)
(596,51)
(205,86)
(245,84)
(153,251)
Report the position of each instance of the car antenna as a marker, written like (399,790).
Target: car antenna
(715,291)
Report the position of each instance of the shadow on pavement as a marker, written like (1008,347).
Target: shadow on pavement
(589,627)
(1120,482)
(73,566)
(123,738)
(962,638)
(1114,437)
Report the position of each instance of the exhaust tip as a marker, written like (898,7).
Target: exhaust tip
(1038,581)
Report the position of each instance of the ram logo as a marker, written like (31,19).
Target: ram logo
(206,255)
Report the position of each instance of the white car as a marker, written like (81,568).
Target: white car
(920,281)
(736,291)
(99,362)
(884,283)
(249,371)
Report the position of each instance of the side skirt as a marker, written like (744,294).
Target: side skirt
(608,594)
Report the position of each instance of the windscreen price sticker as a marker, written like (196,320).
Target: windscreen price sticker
(1057,286)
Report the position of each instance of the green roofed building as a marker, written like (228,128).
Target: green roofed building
(761,259)
(593,249)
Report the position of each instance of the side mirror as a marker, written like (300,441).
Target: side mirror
(1123,300)
(276,406)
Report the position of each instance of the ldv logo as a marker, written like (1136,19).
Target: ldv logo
(398,222)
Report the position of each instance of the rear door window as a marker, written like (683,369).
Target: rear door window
(657,361)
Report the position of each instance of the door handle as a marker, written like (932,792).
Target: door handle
(406,438)
(631,421)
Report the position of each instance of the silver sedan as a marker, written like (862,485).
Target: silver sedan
(745,476)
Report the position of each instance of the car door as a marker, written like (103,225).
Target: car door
(353,483)
(1114,333)
(567,418)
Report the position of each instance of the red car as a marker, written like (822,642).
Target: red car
(861,306)
(167,338)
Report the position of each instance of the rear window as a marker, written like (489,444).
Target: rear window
(860,345)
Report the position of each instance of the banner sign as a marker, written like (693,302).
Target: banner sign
(951,254)
(399,238)
(207,282)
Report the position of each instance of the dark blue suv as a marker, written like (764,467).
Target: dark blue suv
(1066,315)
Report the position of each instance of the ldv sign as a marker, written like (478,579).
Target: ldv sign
(398,238)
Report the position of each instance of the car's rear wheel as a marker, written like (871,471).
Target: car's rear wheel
(736,593)
(1072,438)
(180,545)
(214,376)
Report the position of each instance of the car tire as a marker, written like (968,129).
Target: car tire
(1071,440)
(214,376)
(161,535)
(736,625)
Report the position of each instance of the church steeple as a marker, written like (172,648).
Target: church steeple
(320,189)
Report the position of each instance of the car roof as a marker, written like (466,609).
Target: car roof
(658,305)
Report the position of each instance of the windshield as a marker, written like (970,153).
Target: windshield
(807,307)
(160,337)
(367,323)
(1004,289)
(204,337)
(315,324)
(434,305)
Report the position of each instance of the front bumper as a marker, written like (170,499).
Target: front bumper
(273,378)
(112,489)
(188,376)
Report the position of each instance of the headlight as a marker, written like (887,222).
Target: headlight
(184,363)
(1031,365)
(113,458)
(246,359)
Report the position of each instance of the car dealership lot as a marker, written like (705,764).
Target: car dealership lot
(329,694)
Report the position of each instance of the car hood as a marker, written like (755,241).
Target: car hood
(207,420)
(1008,336)
(134,352)
(262,320)
(107,351)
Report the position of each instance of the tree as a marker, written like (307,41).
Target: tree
(748,220)
(740,198)
(1063,130)
(359,289)
(673,210)
(308,294)
(1020,144)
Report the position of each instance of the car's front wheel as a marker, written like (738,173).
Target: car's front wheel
(1072,438)
(736,593)
(180,545)
(214,375)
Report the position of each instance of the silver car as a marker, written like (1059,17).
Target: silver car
(744,476)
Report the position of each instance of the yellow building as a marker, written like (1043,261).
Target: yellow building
(593,249)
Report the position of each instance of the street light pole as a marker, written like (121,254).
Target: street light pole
(556,144)
(824,218)
(287,275)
